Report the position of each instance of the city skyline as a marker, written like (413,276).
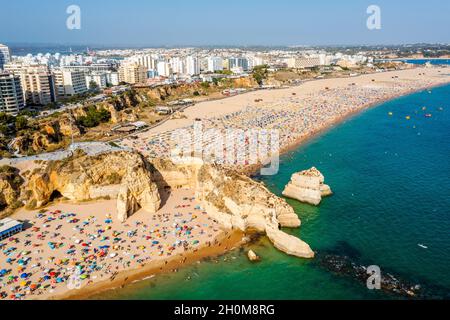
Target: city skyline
(204,23)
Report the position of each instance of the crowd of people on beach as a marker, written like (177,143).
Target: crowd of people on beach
(293,117)
(67,250)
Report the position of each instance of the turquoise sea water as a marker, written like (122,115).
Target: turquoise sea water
(392,192)
(431,61)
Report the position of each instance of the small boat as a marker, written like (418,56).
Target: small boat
(424,108)
(428,115)
(391,114)
(422,246)
(441,109)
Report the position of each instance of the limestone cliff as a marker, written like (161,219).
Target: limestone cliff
(80,178)
(307,186)
(10,182)
(232,199)
(236,201)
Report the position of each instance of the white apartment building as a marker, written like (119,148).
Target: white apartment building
(146,60)
(69,82)
(302,63)
(36,81)
(100,79)
(163,69)
(215,64)
(112,78)
(234,63)
(192,66)
(11,94)
(38,85)
(5,55)
(177,65)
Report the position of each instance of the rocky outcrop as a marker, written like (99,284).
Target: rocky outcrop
(232,199)
(10,182)
(236,201)
(45,136)
(289,244)
(252,256)
(124,175)
(307,186)
(137,191)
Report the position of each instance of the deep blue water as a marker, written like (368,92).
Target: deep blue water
(390,176)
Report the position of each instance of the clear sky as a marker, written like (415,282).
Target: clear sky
(230,22)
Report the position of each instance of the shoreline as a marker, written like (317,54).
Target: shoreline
(227,242)
(252,170)
(131,276)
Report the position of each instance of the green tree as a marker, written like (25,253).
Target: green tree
(4,129)
(21,123)
(205,85)
(93,86)
(94,117)
(260,73)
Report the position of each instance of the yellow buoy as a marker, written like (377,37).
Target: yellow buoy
(391,114)
(408,118)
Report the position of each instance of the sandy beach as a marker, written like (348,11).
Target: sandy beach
(41,262)
(297,113)
(84,242)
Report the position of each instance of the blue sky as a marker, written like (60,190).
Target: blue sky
(231,22)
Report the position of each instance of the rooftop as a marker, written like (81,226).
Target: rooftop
(7,223)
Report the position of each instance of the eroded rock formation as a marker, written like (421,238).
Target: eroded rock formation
(10,182)
(307,186)
(232,199)
(237,202)
(252,256)
(124,175)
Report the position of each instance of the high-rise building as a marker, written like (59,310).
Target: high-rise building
(37,83)
(132,73)
(163,69)
(5,55)
(192,66)
(99,78)
(11,94)
(238,63)
(215,64)
(112,78)
(146,60)
(69,83)
(177,65)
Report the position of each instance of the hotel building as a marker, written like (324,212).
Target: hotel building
(11,94)
(132,73)
(69,83)
(37,83)
(5,55)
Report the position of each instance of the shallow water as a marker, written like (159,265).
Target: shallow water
(391,182)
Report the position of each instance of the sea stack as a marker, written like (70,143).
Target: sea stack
(308,187)
(252,256)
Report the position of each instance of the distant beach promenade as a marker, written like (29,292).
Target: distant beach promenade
(66,235)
